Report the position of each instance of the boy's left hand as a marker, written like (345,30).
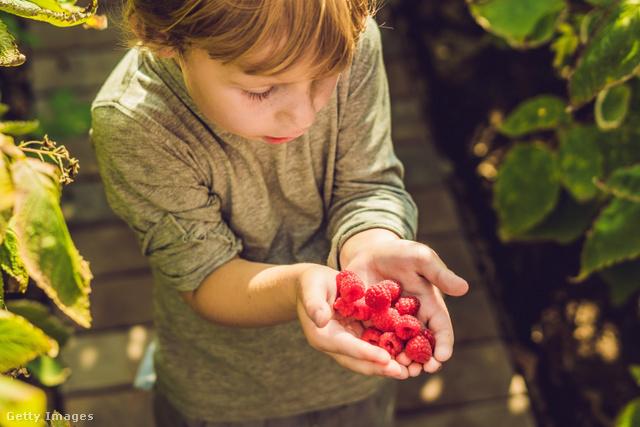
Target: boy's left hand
(379,254)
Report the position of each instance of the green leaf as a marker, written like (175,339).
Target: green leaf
(539,113)
(611,106)
(568,221)
(21,342)
(19,127)
(634,370)
(6,187)
(19,398)
(619,147)
(46,248)
(10,56)
(526,188)
(40,316)
(630,415)
(580,161)
(11,262)
(624,182)
(49,371)
(70,16)
(612,56)
(614,238)
(58,420)
(601,2)
(623,279)
(517,21)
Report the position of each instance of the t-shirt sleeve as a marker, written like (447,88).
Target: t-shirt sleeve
(368,190)
(155,184)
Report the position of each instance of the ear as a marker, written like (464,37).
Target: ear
(155,40)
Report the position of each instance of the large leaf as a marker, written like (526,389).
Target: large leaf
(611,106)
(619,148)
(46,248)
(6,187)
(580,161)
(11,262)
(20,398)
(630,414)
(615,237)
(66,16)
(526,188)
(21,342)
(10,56)
(517,21)
(19,127)
(624,182)
(40,316)
(539,113)
(623,279)
(612,56)
(567,222)
(48,370)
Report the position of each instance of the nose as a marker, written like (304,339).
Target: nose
(299,107)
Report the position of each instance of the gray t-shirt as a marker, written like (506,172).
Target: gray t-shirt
(196,196)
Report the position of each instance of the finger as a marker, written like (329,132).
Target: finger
(415,369)
(314,300)
(432,366)
(435,271)
(345,344)
(403,359)
(391,369)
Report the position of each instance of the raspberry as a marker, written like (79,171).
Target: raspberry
(378,297)
(385,320)
(394,289)
(407,327)
(350,286)
(371,335)
(390,342)
(363,311)
(344,307)
(418,349)
(429,336)
(408,305)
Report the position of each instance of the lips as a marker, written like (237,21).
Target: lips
(277,141)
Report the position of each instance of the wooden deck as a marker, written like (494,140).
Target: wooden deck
(477,387)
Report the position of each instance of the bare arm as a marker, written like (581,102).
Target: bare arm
(245,294)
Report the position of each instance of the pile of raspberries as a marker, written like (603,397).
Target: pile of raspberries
(395,326)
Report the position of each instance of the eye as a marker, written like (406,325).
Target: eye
(258,96)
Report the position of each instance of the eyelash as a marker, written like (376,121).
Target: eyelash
(258,96)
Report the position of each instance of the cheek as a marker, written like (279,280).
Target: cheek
(323,91)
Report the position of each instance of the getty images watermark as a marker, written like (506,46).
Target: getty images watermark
(48,416)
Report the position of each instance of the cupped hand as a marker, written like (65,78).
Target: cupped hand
(339,337)
(377,254)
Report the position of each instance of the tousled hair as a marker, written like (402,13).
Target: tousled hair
(261,37)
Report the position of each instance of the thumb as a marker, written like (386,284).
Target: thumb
(314,301)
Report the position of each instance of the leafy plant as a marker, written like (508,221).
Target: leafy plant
(35,245)
(572,169)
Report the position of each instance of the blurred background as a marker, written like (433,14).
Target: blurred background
(532,348)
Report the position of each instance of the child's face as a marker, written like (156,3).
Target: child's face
(275,109)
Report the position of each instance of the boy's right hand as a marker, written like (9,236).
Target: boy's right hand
(334,335)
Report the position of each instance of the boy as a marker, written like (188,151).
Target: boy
(246,146)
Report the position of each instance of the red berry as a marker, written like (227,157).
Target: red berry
(408,305)
(344,307)
(350,286)
(385,320)
(429,336)
(390,342)
(394,289)
(371,335)
(407,327)
(418,349)
(378,297)
(363,311)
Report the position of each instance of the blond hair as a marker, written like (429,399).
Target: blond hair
(262,37)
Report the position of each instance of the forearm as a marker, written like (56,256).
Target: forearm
(245,294)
